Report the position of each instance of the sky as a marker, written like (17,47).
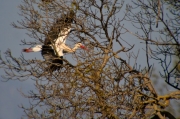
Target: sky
(10,39)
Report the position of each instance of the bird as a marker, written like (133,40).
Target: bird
(55,60)
(54,44)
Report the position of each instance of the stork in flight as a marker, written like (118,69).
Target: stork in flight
(54,45)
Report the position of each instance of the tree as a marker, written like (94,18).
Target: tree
(104,83)
(165,37)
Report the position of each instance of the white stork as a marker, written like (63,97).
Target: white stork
(54,45)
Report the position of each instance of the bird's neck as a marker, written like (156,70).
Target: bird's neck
(68,49)
(75,48)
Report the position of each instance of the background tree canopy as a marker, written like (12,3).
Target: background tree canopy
(126,42)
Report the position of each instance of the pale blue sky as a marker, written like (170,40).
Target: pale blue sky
(10,37)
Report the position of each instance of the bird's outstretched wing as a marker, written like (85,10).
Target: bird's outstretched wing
(60,28)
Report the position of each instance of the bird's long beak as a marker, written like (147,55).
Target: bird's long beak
(27,50)
(83,47)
